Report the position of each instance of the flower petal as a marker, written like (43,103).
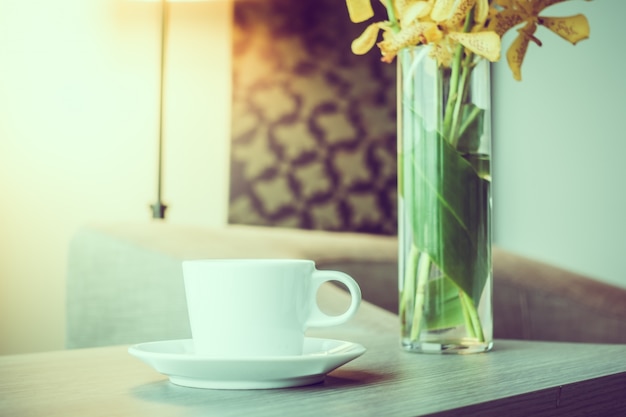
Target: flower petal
(443,9)
(485,44)
(443,53)
(415,34)
(460,12)
(415,11)
(481,12)
(505,20)
(359,10)
(572,28)
(517,51)
(367,40)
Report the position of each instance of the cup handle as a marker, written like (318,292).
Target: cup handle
(320,319)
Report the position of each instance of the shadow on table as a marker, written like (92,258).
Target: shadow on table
(337,382)
(347,379)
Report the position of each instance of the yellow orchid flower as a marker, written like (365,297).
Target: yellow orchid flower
(414,34)
(440,23)
(572,28)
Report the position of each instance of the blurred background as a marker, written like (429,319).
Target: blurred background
(79,119)
(78,137)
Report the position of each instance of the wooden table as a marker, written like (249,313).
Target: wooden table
(518,378)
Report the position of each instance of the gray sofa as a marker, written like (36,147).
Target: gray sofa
(124,282)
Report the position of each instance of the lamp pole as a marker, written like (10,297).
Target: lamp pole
(158,208)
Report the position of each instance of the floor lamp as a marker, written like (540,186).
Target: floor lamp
(158,208)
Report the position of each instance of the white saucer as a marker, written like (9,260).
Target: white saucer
(176,359)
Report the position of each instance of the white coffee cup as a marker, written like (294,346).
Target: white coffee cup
(257,307)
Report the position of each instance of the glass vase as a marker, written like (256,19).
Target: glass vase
(444,200)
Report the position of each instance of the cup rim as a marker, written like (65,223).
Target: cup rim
(251,261)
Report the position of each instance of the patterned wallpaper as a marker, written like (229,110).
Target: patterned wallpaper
(313,130)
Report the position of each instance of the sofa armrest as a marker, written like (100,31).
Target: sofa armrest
(537,301)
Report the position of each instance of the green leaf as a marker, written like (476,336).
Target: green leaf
(471,129)
(450,208)
(446,311)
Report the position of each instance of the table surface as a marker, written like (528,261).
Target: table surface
(516,378)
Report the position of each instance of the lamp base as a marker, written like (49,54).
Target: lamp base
(158,210)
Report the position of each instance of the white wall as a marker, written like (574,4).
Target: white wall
(559,147)
(78,134)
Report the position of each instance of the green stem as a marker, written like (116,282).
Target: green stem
(461,97)
(468,120)
(423,271)
(452,94)
(454,126)
(408,289)
(469,326)
(472,323)
(391,13)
